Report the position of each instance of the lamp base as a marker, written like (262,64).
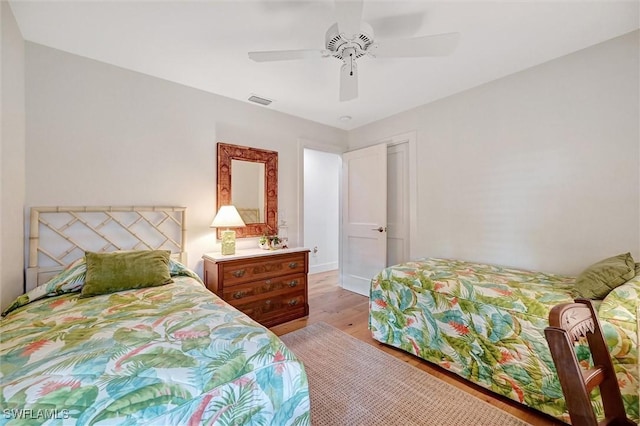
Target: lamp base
(228,242)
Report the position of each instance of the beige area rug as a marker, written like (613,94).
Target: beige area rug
(354,383)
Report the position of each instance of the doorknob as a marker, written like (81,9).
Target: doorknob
(379,229)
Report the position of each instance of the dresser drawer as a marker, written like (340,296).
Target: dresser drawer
(270,286)
(265,308)
(238,272)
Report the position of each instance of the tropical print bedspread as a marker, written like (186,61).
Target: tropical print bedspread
(486,323)
(172,355)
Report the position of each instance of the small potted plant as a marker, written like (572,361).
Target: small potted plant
(274,242)
(263,242)
(269,242)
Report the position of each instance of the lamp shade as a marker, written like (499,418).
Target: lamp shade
(227,217)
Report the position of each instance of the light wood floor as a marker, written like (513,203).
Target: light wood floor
(348,311)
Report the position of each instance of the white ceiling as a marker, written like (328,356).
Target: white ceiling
(204,44)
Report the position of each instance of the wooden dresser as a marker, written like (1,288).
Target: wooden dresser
(268,285)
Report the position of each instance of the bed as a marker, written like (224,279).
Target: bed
(171,353)
(486,323)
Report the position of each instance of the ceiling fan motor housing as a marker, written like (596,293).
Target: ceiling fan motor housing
(336,43)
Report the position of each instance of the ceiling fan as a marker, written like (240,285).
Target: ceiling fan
(351,38)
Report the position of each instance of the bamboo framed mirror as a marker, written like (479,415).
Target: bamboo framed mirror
(248,179)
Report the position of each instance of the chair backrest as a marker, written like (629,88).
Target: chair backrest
(567,324)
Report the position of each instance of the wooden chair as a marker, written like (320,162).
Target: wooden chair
(567,323)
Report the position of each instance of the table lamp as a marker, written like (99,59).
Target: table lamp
(228,217)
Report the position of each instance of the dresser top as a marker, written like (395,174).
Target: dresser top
(249,253)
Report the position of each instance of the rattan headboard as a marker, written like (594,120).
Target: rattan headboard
(60,235)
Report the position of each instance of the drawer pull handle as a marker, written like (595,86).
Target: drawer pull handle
(293,283)
(293,265)
(239,273)
(267,302)
(293,302)
(239,294)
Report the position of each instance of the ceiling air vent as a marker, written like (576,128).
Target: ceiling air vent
(259,100)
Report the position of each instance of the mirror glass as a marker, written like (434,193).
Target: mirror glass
(247,190)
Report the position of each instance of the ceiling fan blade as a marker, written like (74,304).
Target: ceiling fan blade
(432,45)
(349,17)
(348,82)
(404,25)
(287,55)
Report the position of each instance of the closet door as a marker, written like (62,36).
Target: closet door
(398,203)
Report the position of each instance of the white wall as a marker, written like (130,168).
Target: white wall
(539,169)
(101,135)
(12,157)
(321,209)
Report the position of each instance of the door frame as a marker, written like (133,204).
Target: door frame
(408,137)
(317,146)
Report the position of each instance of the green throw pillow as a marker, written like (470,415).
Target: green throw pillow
(599,279)
(124,270)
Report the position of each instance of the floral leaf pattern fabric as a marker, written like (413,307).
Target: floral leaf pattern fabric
(169,355)
(72,279)
(486,323)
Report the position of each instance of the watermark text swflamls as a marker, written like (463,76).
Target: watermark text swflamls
(31,414)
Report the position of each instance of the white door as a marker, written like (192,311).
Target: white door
(398,203)
(364,217)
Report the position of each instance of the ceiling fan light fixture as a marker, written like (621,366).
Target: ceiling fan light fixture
(259,100)
(351,38)
(337,44)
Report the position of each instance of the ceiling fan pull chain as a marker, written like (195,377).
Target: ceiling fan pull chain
(351,58)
